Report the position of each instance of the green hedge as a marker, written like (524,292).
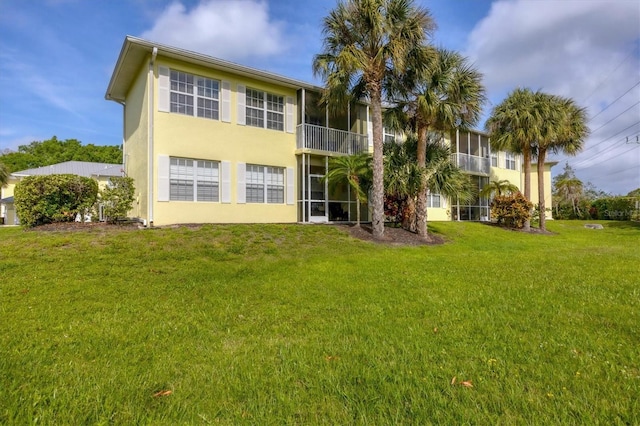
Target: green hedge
(53,198)
(614,208)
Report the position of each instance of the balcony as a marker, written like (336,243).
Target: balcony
(472,163)
(334,141)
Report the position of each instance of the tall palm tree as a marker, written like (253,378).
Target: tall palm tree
(365,42)
(564,130)
(444,95)
(356,171)
(4,175)
(498,188)
(514,125)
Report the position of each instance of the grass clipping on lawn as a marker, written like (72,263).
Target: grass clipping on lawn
(278,324)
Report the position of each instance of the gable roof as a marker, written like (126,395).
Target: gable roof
(80,168)
(136,51)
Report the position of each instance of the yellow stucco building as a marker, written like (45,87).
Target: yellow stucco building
(210,141)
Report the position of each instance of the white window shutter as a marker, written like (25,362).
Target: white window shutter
(290,185)
(242,107)
(240,178)
(163,177)
(225,187)
(289,118)
(226,102)
(164,84)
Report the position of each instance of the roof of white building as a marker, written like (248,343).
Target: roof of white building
(80,168)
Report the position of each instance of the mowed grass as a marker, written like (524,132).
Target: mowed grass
(292,324)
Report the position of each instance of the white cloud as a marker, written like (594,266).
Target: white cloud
(586,50)
(228,29)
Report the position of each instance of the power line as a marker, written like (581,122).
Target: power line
(611,73)
(604,151)
(608,159)
(616,116)
(617,99)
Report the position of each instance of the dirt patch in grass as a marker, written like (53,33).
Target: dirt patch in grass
(392,236)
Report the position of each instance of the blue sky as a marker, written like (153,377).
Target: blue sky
(56,58)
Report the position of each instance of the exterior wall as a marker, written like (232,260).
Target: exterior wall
(548,198)
(178,135)
(8,211)
(136,134)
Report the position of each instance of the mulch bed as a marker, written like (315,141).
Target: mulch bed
(392,236)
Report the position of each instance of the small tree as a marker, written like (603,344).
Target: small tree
(498,188)
(356,171)
(117,198)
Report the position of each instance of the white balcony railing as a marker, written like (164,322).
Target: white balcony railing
(472,163)
(309,136)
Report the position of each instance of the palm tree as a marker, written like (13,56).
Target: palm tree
(498,188)
(4,175)
(445,95)
(569,190)
(514,125)
(365,41)
(405,179)
(564,130)
(356,171)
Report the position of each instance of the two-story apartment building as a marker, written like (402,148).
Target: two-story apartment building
(211,141)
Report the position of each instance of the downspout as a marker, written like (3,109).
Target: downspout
(154,53)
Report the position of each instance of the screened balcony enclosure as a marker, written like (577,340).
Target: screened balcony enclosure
(323,130)
(471,152)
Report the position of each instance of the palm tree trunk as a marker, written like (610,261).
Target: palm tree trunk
(541,204)
(421,202)
(377,197)
(527,183)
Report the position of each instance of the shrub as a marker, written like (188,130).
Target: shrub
(613,208)
(511,210)
(117,198)
(53,198)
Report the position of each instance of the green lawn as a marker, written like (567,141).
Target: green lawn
(287,324)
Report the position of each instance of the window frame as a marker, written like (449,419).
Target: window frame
(265,184)
(264,109)
(510,161)
(204,94)
(431,197)
(194,177)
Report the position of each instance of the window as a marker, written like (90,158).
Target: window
(510,161)
(388,135)
(494,159)
(264,108)
(433,200)
(264,183)
(193,180)
(194,95)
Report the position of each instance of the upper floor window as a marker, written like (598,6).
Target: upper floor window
(510,161)
(194,95)
(264,109)
(264,184)
(494,159)
(193,180)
